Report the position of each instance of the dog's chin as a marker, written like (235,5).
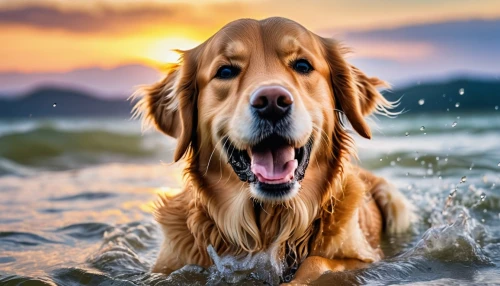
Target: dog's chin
(274,192)
(272,167)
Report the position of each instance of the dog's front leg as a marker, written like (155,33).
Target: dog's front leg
(314,266)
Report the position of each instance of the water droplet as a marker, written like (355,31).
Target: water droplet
(437,158)
(498,165)
(461,91)
(454,124)
(407,134)
(407,174)
(456,244)
(471,166)
(416,158)
(422,128)
(393,163)
(54,105)
(398,159)
(458,117)
(440,177)
(446,159)
(482,220)
(463,179)
(447,109)
(453,193)
(485,211)
(410,187)
(421,101)
(457,105)
(444,95)
(422,163)
(380,159)
(496,107)
(483,197)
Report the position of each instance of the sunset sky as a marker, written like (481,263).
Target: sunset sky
(60,36)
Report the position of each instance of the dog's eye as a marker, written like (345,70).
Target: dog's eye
(227,72)
(302,66)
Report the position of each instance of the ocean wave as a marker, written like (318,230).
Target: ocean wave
(24,151)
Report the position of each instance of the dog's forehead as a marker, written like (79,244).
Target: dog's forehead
(238,39)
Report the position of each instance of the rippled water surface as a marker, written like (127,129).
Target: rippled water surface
(76,201)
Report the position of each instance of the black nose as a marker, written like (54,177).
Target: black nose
(271,102)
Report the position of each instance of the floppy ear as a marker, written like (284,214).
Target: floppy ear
(355,93)
(170,104)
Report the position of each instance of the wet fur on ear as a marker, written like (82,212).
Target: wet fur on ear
(170,104)
(355,93)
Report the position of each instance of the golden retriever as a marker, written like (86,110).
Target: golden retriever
(257,112)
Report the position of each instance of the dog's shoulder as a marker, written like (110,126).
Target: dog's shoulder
(340,234)
(181,219)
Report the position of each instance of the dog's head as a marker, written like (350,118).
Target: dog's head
(267,97)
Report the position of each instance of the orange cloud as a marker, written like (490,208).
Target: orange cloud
(58,35)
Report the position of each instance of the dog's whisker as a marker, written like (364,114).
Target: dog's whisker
(324,135)
(210,158)
(220,160)
(230,156)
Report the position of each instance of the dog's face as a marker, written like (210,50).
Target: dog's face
(263,96)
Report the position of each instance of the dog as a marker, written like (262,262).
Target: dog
(259,111)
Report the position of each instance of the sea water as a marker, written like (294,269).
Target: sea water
(76,197)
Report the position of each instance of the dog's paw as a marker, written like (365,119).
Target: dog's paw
(399,213)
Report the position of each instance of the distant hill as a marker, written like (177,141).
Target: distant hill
(439,96)
(68,103)
(110,83)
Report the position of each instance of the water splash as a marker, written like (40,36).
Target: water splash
(453,238)
(230,269)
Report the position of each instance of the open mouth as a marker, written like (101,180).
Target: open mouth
(273,164)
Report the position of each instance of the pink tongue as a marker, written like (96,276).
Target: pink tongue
(274,165)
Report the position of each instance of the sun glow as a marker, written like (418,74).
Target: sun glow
(162,51)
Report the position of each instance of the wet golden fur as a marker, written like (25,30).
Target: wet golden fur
(340,210)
